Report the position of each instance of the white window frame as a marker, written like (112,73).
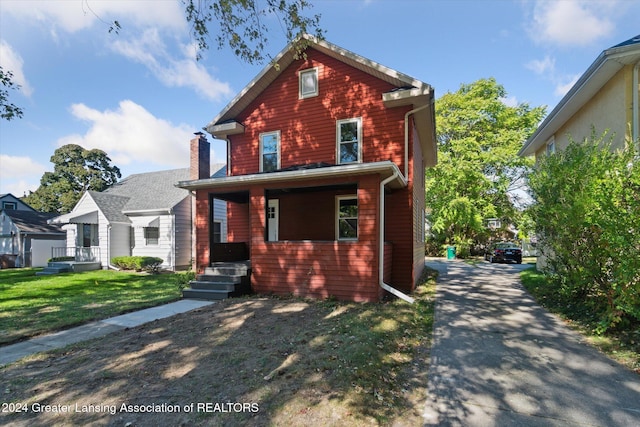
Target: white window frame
(339,143)
(338,200)
(551,146)
(10,206)
(151,240)
(301,75)
(278,142)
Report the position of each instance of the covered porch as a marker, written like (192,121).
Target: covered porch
(311,233)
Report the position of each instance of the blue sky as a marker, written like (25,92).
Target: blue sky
(140,95)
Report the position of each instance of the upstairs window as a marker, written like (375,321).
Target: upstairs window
(349,135)
(551,146)
(308,83)
(347,217)
(10,206)
(269,151)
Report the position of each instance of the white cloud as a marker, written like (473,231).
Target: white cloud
(19,174)
(563,87)
(572,22)
(510,101)
(132,134)
(150,50)
(10,60)
(73,16)
(543,66)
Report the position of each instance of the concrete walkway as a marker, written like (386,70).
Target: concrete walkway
(499,359)
(13,352)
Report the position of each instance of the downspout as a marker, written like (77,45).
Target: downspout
(406,139)
(173,240)
(636,118)
(383,285)
(109,266)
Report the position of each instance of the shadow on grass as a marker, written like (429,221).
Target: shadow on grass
(285,361)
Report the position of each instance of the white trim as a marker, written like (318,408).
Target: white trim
(301,74)
(273,224)
(385,169)
(550,146)
(337,216)
(358,121)
(278,142)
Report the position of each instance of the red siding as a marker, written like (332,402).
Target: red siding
(202,230)
(308,126)
(308,261)
(320,269)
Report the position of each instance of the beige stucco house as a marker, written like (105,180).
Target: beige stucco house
(605,97)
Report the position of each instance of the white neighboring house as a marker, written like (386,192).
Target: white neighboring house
(142,215)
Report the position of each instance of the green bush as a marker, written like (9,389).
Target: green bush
(137,263)
(61,258)
(587,214)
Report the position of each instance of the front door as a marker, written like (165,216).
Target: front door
(272,220)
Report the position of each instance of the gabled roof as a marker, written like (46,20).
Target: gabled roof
(137,194)
(33,222)
(151,190)
(17,200)
(410,86)
(606,65)
(111,206)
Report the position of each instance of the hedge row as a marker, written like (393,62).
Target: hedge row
(137,263)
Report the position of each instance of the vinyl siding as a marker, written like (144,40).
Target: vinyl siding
(164,248)
(182,233)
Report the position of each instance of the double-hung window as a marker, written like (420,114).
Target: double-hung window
(308,83)
(347,217)
(151,236)
(349,136)
(269,151)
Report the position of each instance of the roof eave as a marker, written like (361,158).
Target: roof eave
(384,168)
(606,65)
(271,71)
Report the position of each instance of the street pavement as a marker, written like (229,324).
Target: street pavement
(499,359)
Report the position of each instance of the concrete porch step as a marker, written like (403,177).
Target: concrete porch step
(240,268)
(214,286)
(205,294)
(220,280)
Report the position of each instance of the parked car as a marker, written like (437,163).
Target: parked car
(503,252)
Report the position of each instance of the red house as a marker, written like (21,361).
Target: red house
(325,185)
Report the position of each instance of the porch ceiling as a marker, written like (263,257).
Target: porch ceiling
(385,169)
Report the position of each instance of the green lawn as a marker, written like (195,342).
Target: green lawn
(31,305)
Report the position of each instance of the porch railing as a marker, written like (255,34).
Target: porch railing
(77,254)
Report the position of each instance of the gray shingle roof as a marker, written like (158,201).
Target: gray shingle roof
(111,205)
(145,192)
(33,222)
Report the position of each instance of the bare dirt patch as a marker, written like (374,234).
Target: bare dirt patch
(242,362)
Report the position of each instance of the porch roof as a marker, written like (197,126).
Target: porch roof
(385,169)
(90,217)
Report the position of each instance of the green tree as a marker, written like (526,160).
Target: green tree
(242,24)
(8,111)
(75,171)
(587,214)
(478,169)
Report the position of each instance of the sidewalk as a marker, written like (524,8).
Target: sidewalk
(13,352)
(499,359)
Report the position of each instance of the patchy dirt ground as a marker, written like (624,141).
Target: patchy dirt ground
(243,362)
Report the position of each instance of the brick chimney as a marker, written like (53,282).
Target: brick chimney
(200,157)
